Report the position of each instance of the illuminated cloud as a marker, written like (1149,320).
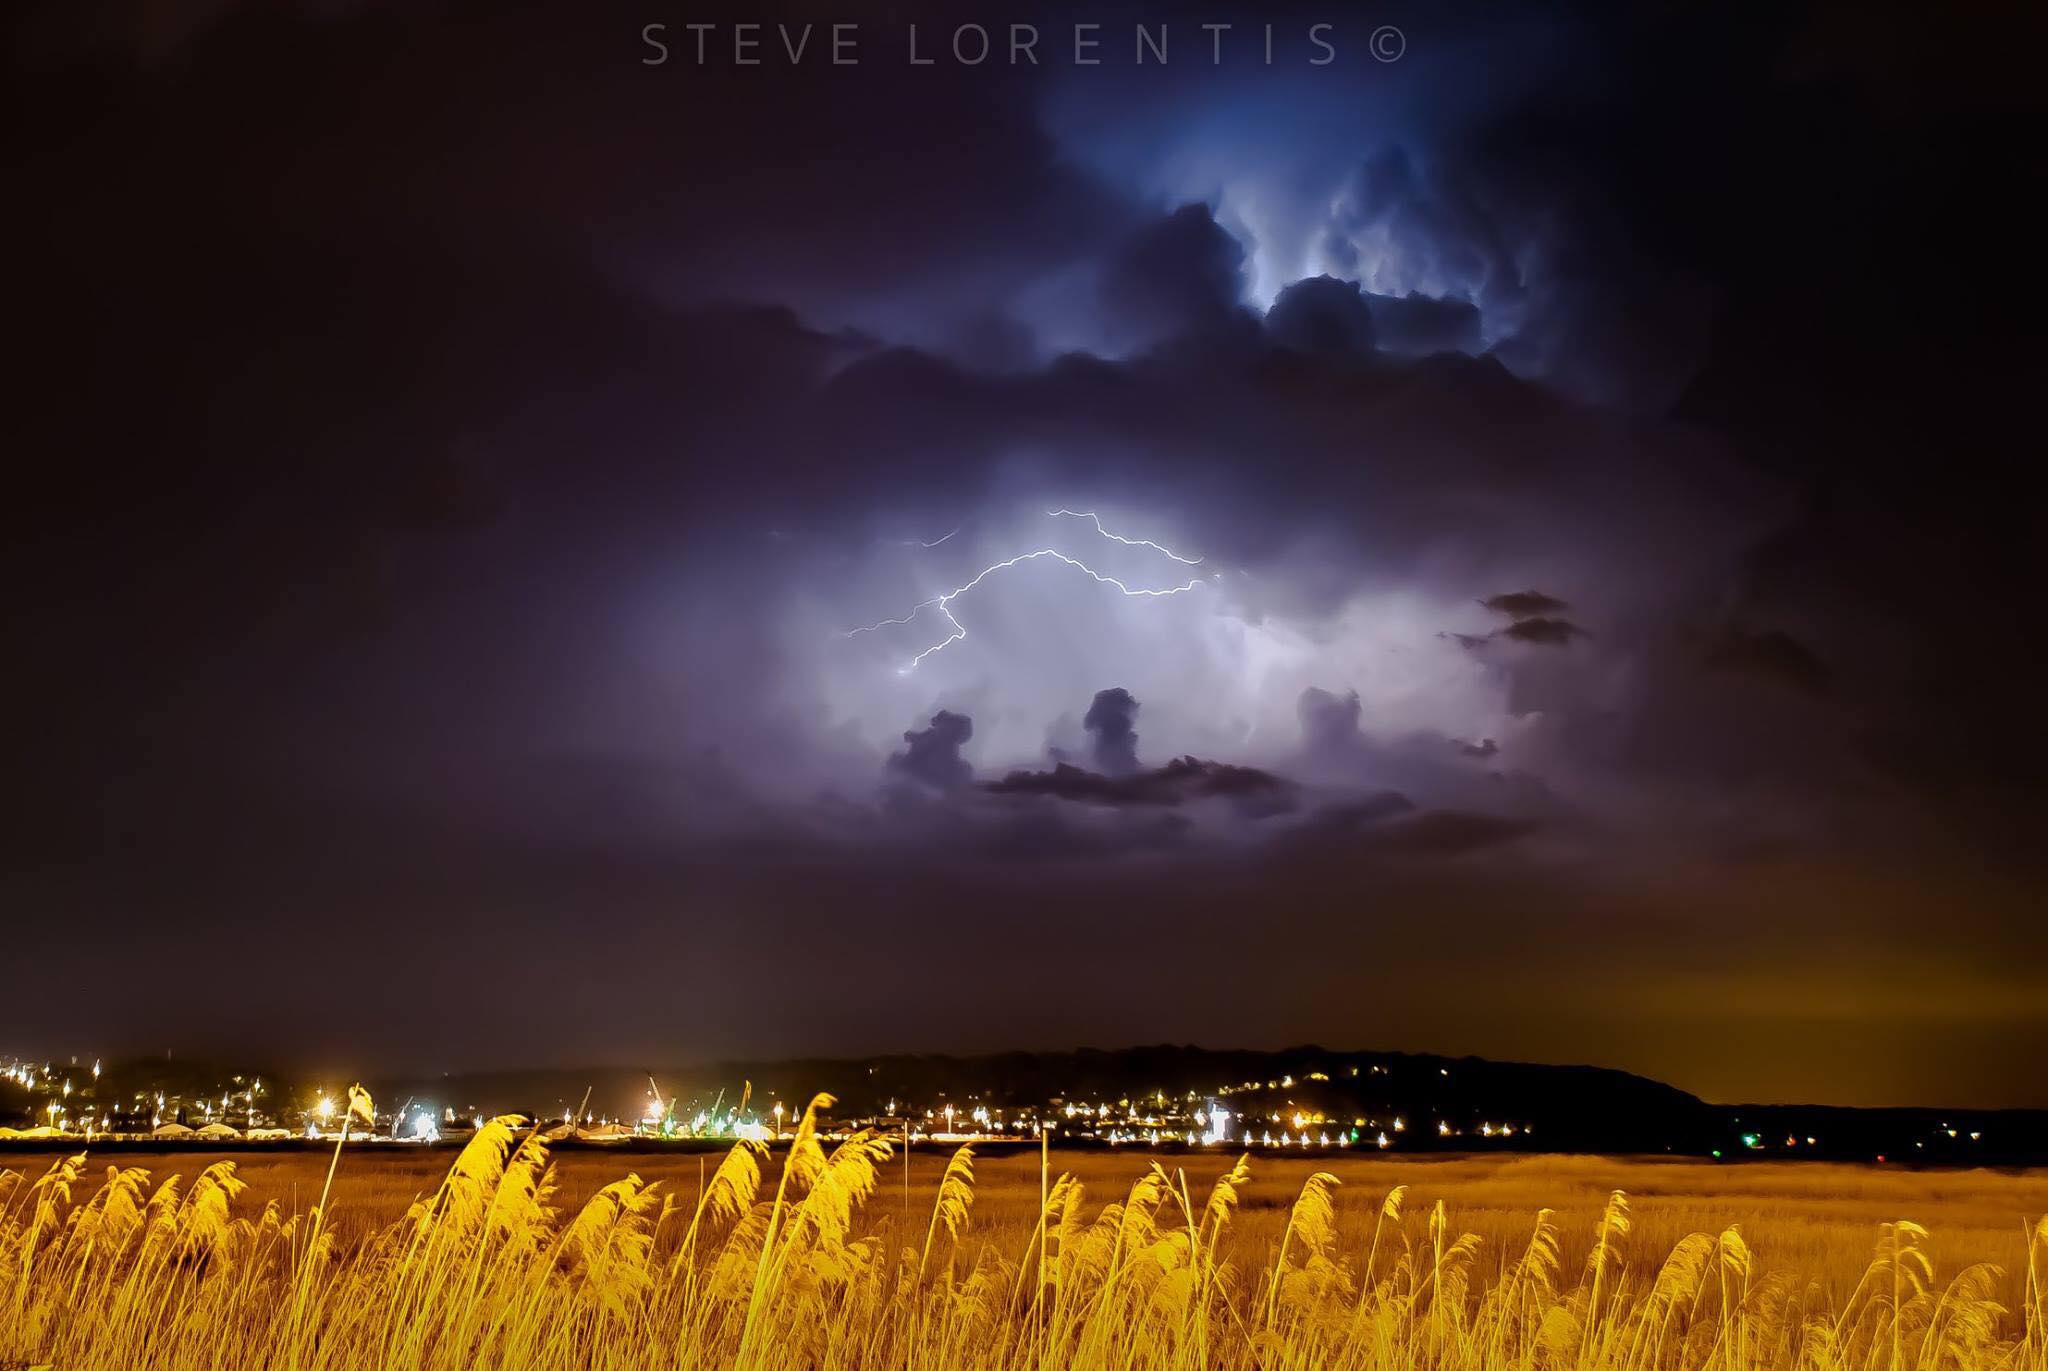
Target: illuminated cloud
(543,626)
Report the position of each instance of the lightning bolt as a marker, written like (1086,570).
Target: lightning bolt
(943,603)
(1096,519)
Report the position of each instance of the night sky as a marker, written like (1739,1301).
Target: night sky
(1580,468)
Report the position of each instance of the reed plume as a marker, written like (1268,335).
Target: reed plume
(482,1272)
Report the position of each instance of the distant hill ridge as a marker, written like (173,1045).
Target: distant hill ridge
(1551,1108)
(1423,1101)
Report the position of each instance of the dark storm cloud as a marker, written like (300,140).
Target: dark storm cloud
(1447,833)
(1542,629)
(1524,604)
(1179,279)
(1181,780)
(1535,619)
(1372,830)
(1769,653)
(1418,324)
(1323,318)
(1346,817)
(1329,724)
(933,756)
(1111,722)
(446,524)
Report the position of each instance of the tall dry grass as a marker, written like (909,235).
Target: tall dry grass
(815,1271)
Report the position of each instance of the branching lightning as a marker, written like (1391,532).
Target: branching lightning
(1096,519)
(943,603)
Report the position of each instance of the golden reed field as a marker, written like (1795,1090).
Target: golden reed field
(820,1257)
